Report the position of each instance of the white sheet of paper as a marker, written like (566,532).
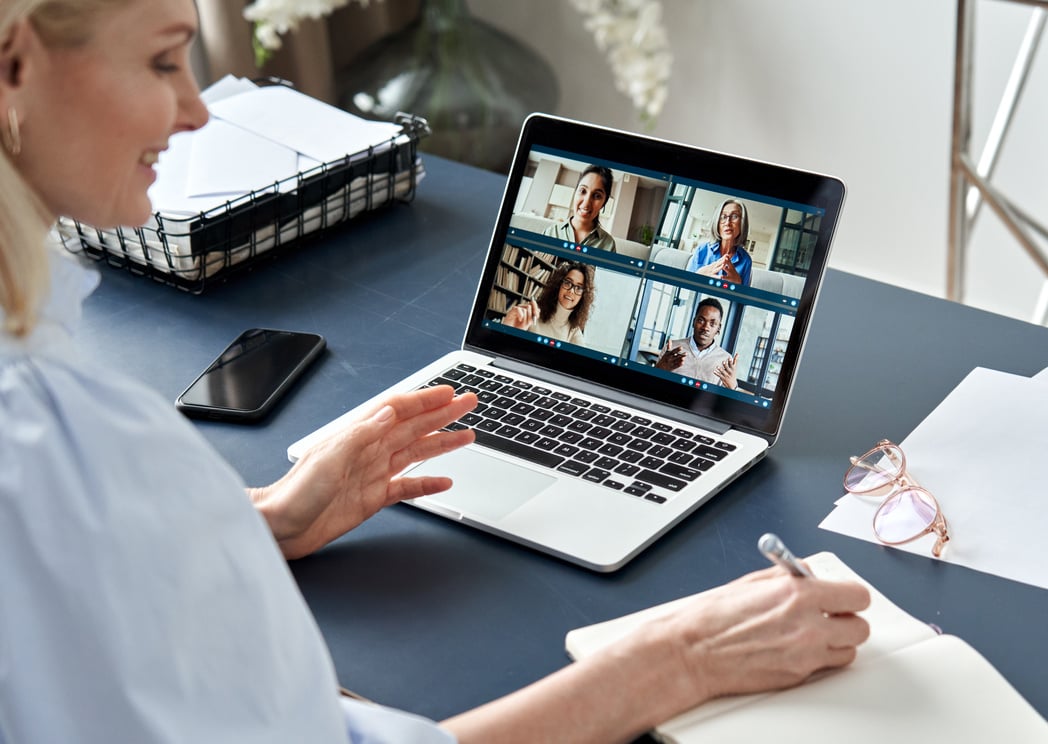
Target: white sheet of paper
(979,452)
(256,138)
(226,159)
(308,126)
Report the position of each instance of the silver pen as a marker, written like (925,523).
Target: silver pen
(777,552)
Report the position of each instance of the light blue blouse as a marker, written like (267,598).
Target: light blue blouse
(142,597)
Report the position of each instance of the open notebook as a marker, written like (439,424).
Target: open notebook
(907,684)
(592,438)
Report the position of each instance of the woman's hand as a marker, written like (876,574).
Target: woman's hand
(722,268)
(522,316)
(765,631)
(352,474)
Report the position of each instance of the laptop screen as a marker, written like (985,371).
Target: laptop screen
(662,272)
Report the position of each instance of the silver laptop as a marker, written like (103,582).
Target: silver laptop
(627,367)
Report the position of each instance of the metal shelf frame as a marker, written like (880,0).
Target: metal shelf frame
(970,182)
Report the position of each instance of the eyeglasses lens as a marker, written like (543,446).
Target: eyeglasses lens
(874,470)
(904,515)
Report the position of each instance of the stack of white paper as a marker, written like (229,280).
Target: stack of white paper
(259,141)
(980,454)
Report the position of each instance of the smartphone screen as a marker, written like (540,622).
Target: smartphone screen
(251,375)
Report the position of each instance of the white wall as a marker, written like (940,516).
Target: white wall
(860,90)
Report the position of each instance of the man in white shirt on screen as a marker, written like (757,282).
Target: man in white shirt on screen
(700,357)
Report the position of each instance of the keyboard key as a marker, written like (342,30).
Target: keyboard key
(655,497)
(613,484)
(679,471)
(625,468)
(727,446)
(518,449)
(596,475)
(630,456)
(568,450)
(590,443)
(710,452)
(586,456)
(662,480)
(573,467)
(639,445)
(612,450)
(527,437)
(606,463)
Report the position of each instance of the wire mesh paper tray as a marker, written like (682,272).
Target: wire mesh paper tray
(196,251)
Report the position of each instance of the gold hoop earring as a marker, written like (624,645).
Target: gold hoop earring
(13,135)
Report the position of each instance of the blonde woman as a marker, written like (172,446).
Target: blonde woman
(144,599)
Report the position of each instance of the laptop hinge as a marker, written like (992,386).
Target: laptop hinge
(631,401)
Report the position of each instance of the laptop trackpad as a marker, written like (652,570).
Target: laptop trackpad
(484,486)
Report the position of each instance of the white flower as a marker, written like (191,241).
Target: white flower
(632,37)
(629,32)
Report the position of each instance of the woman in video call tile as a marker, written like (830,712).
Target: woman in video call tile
(562,308)
(583,224)
(724,257)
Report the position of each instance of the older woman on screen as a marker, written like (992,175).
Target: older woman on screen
(723,256)
(147,596)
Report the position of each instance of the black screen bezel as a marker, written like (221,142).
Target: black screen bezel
(589,142)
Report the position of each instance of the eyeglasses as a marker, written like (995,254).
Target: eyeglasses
(576,289)
(731,217)
(908,511)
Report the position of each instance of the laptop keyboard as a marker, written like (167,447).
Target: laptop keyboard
(582,437)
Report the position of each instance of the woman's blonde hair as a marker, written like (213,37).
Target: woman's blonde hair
(23,225)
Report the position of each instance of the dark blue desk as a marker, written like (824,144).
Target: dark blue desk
(426,615)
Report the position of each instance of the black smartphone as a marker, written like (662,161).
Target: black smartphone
(251,375)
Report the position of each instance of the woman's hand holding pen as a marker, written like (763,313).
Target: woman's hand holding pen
(766,630)
(522,316)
